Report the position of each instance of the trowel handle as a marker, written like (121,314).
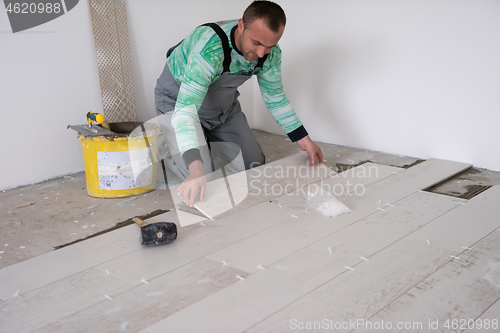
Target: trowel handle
(139,221)
(97,117)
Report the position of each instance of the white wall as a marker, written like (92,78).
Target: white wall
(48,80)
(413,77)
(156,25)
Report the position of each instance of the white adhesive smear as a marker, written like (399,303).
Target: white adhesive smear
(492,273)
(113,310)
(156,293)
(123,326)
(324,202)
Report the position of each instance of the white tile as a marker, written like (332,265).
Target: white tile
(64,297)
(362,292)
(466,224)
(456,293)
(296,233)
(153,301)
(287,280)
(383,228)
(194,244)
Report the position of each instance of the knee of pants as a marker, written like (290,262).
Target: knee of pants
(254,160)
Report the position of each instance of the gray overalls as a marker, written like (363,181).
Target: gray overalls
(220,121)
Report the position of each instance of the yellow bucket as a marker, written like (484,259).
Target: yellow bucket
(121,165)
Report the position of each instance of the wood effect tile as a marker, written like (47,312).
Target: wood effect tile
(62,298)
(465,225)
(37,272)
(275,179)
(18,319)
(454,294)
(308,228)
(194,244)
(359,293)
(153,301)
(42,270)
(298,274)
(492,314)
(382,228)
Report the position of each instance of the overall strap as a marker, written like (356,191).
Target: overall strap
(225,44)
(225,47)
(170,50)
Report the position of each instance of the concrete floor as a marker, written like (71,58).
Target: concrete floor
(37,218)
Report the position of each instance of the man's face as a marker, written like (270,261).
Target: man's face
(256,40)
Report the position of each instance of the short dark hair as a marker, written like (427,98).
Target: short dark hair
(271,12)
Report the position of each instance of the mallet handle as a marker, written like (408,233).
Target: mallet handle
(139,221)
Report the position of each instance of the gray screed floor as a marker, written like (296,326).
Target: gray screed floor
(418,252)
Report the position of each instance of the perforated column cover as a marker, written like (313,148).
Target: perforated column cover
(114,61)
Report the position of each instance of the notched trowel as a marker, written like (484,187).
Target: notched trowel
(157,233)
(191,210)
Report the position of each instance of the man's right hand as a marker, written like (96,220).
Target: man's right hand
(194,182)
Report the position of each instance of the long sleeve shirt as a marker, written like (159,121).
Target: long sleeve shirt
(198,62)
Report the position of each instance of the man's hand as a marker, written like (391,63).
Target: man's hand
(194,182)
(312,149)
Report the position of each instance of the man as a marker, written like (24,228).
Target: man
(197,93)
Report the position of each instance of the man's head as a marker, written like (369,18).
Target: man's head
(260,29)
(272,14)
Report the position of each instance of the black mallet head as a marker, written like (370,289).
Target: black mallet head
(158,233)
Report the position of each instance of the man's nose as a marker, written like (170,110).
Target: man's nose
(261,51)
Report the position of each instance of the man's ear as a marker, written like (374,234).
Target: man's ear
(241,25)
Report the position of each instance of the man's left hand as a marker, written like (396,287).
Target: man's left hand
(312,149)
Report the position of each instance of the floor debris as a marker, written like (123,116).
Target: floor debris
(123,203)
(113,310)
(123,326)
(26,204)
(156,293)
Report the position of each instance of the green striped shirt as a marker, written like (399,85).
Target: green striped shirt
(198,62)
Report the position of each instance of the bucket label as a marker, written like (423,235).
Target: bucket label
(123,170)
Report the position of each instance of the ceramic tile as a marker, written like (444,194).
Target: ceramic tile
(194,244)
(64,297)
(306,228)
(466,224)
(458,288)
(152,301)
(362,292)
